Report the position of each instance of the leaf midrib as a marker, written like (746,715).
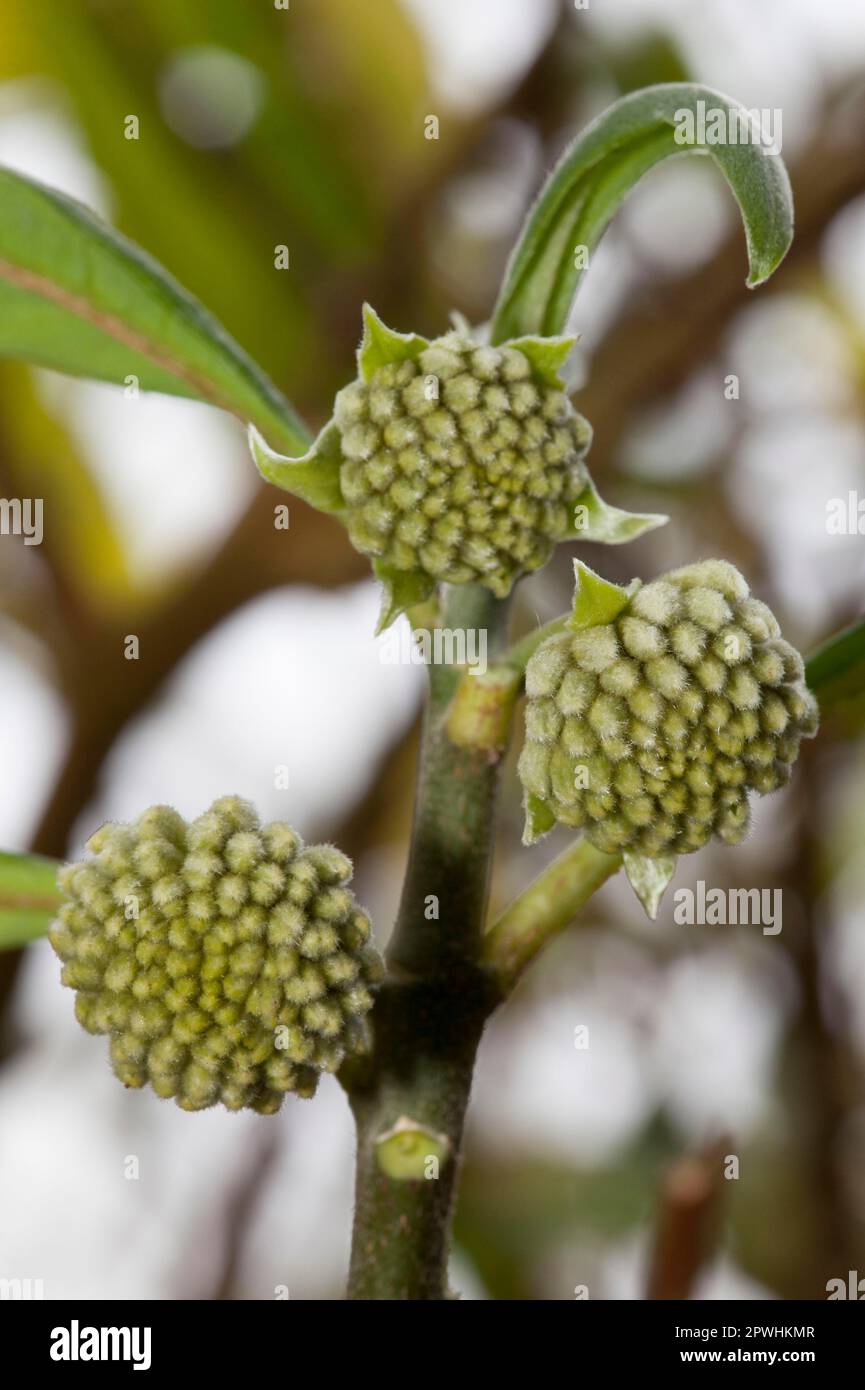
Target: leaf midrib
(33,283)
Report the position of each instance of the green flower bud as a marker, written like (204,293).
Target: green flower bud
(462,462)
(226,961)
(650,730)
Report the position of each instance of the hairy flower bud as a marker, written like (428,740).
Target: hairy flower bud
(226,961)
(649,731)
(462,462)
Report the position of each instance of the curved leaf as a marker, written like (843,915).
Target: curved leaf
(599,169)
(29,897)
(80,298)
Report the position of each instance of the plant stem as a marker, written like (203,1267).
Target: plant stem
(482,709)
(431,1010)
(544,909)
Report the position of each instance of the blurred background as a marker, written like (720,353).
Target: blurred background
(305,127)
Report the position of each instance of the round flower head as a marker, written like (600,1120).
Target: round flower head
(461,462)
(226,961)
(650,730)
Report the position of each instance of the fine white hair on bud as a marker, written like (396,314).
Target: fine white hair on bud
(707,608)
(596,648)
(247,971)
(640,639)
(674,712)
(658,602)
(441,359)
(668,676)
(758,620)
(620,678)
(549,665)
(545,720)
(688,641)
(576,691)
(719,575)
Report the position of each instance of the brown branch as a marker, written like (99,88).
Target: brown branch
(691,1199)
(242,1202)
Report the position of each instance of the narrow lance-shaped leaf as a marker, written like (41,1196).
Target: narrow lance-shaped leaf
(29,897)
(598,170)
(80,298)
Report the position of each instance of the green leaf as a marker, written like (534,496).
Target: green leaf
(594,519)
(836,671)
(596,173)
(29,897)
(314,476)
(649,878)
(539,819)
(402,589)
(596,600)
(78,297)
(547,356)
(381,344)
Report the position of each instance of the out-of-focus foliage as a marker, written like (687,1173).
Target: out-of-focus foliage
(837,673)
(40,457)
(28,896)
(214,203)
(331,81)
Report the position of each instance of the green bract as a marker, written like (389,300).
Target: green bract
(649,725)
(454,461)
(226,961)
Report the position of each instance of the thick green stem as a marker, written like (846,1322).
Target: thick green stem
(547,906)
(431,1010)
